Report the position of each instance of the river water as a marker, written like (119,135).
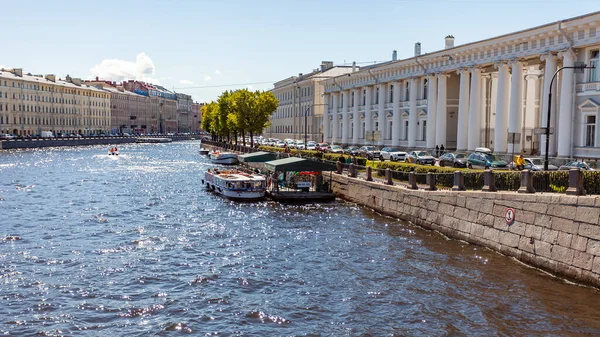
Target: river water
(98,245)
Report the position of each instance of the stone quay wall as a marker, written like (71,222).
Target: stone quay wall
(57,142)
(556,233)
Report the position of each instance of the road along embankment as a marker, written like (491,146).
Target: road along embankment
(556,233)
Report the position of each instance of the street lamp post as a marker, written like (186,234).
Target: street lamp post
(579,68)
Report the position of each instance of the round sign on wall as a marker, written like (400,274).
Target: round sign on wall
(509,216)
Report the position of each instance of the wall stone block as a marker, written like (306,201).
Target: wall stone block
(563,211)
(583,260)
(533,231)
(517,228)
(509,239)
(588,214)
(562,254)
(550,235)
(565,225)
(564,239)
(579,243)
(590,231)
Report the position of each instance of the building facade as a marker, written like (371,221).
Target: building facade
(492,93)
(30,104)
(196,117)
(301,104)
(184,112)
(163,103)
(130,112)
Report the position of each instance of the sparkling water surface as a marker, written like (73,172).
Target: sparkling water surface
(132,245)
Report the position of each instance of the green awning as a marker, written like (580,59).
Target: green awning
(257,157)
(298,165)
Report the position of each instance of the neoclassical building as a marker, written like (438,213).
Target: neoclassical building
(492,93)
(30,104)
(300,95)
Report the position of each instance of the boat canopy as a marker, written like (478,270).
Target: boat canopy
(298,165)
(257,157)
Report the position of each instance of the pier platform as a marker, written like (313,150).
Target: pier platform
(300,197)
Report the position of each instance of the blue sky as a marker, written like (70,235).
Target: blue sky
(184,44)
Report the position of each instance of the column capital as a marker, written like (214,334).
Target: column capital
(548,56)
(440,75)
(570,53)
(475,69)
(494,75)
(461,71)
(515,63)
(500,64)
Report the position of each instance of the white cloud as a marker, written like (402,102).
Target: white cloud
(118,70)
(186,82)
(207,78)
(217,72)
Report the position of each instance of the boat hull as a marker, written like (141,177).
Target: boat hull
(235,185)
(224,158)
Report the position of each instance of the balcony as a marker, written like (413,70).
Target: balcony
(591,88)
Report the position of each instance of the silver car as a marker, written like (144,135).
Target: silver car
(420,157)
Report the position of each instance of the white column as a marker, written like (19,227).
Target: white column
(442,110)
(566,104)
(515,114)
(396,118)
(431,110)
(347,97)
(529,122)
(493,101)
(463,111)
(326,118)
(381,114)
(356,117)
(368,114)
(549,70)
(474,123)
(502,102)
(335,122)
(412,112)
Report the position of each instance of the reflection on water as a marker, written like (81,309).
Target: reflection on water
(92,244)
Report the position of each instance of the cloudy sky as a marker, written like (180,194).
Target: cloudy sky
(203,47)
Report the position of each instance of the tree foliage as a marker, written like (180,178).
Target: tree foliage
(241,112)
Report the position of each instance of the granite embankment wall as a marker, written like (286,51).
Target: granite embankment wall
(554,232)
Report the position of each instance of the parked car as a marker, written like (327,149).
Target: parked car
(534,164)
(7,136)
(311,145)
(393,154)
(300,145)
(335,149)
(576,164)
(322,147)
(420,157)
(369,152)
(351,150)
(486,160)
(454,159)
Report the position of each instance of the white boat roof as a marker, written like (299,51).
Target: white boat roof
(239,176)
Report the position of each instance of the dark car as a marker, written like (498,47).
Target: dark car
(369,152)
(454,160)
(351,150)
(486,160)
(576,164)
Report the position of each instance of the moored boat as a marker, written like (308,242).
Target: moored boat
(235,185)
(204,151)
(223,158)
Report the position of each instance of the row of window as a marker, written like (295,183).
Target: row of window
(25,97)
(29,108)
(375,97)
(292,128)
(52,89)
(287,112)
(50,121)
(387,133)
(304,92)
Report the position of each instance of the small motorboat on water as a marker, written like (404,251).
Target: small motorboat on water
(235,185)
(223,158)
(204,151)
(113,151)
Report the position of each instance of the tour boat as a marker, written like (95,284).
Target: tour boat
(223,158)
(235,185)
(204,151)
